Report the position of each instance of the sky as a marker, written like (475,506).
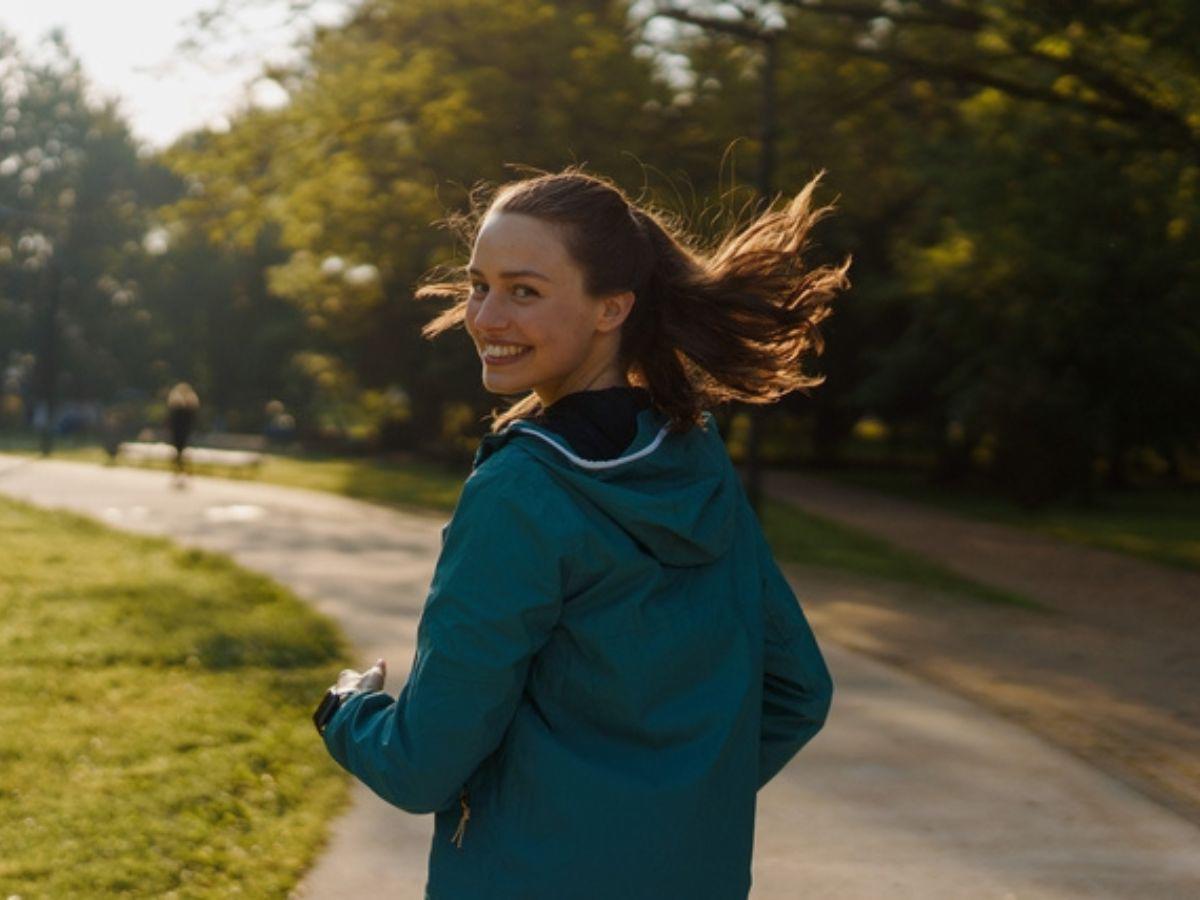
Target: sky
(130,51)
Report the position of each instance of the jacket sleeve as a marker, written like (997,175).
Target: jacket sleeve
(494,598)
(797,687)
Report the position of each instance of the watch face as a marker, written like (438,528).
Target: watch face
(329,705)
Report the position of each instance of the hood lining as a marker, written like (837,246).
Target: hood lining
(593,463)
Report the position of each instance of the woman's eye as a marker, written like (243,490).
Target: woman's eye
(523,290)
(478,288)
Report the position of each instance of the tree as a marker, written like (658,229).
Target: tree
(392,118)
(1018,185)
(71,225)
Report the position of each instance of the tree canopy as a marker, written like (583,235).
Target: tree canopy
(1018,183)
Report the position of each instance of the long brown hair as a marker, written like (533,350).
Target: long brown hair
(706,328)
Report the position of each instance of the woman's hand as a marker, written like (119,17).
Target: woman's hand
(351,682)
(348,683)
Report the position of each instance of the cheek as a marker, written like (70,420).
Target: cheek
(558,329)
(580,330)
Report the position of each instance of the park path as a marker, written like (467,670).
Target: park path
(1107,668)
(910,792)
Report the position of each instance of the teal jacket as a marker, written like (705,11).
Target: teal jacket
(608,667)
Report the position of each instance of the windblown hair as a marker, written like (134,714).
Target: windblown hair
(706,328)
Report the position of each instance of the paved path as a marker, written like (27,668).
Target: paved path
(908,793)
(1108,669)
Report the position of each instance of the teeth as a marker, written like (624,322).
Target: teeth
(507,350)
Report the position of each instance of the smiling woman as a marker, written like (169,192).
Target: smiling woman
(609,662)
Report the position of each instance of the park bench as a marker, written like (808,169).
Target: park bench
(230,440)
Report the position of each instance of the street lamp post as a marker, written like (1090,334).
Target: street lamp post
(765,36)
(48,354)
(766,189)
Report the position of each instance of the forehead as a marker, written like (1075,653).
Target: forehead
(511,241)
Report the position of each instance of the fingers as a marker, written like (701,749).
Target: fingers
(373,678)
(348,680)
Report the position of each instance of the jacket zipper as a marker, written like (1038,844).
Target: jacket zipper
(462,822)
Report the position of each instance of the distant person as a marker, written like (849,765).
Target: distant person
(609,664)
(281,426)
(182,405)
(111,426)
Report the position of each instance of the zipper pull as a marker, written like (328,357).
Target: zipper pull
(462,823)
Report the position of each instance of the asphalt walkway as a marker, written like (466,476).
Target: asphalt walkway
(1107,666)
(909,792)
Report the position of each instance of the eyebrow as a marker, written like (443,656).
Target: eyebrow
(515,273)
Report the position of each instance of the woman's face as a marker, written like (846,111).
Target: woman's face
(533,323)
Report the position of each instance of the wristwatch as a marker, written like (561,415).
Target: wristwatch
(330,704)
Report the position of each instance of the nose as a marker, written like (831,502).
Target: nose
(490,315)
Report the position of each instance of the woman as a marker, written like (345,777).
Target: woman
(609,664)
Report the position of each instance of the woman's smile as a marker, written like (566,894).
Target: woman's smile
(502,354)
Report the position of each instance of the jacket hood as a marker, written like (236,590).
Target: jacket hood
(675,494)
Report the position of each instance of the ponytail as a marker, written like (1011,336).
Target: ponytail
(733,324)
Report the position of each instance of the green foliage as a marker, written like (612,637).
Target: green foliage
(155,730)
(70,225)
(101,297)
(216,323)
(1019,187)
(1060,326)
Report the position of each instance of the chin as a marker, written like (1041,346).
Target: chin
(502,385)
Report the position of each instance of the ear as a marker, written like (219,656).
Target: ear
(614,310)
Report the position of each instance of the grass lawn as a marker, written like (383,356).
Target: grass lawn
(1158,524)
(155,737)
(409,485)
(797,536)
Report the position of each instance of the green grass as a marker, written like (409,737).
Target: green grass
(1158,524)
(410,485)
(797,536)
(155,737)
